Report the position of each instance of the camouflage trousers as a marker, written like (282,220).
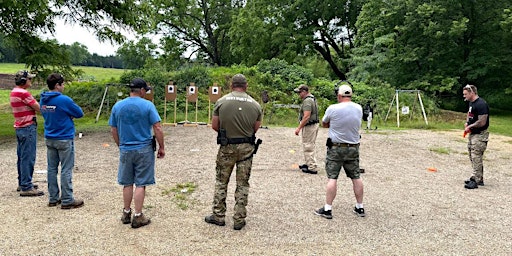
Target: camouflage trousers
(227,157)
(477,144)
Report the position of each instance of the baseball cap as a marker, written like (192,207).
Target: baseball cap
(239,79)
(139,83)
(345,90)
(301,88)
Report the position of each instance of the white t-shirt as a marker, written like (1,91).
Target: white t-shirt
(344,122)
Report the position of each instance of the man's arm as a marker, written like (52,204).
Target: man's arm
(115,135)
(303,122)
(159,134)
(482,121)
(257,126)
(215,123)
(325,125)
(36,107)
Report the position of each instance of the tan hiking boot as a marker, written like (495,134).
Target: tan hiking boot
(32,192)
(76,204)
(127,217)
(139,221)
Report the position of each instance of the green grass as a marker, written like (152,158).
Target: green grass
(440,150)
(91,73)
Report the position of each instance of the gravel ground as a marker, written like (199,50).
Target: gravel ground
(410,210)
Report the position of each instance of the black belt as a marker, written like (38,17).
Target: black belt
(344,145)
(312,122)
(240,140)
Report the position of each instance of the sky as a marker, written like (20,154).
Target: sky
(69,34)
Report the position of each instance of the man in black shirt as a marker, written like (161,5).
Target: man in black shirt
(476,126)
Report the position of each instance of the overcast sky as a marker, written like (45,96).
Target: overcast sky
(68,34)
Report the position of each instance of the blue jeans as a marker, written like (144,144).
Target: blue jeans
(63,152)
(26,138)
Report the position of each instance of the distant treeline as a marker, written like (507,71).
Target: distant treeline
(77,53)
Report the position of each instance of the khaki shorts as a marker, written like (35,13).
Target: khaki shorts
(346,157)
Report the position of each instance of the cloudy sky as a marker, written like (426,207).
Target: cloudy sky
(68,34)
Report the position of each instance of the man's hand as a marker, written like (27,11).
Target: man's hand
(161,153)
(297,131)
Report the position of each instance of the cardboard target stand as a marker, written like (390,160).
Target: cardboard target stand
(214,94)
(170,95)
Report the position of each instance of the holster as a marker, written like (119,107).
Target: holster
(153,143)
(222,138)
(329,143)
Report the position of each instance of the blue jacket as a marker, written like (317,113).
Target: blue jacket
(58,111)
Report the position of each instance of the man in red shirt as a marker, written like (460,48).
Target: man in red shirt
(24,108)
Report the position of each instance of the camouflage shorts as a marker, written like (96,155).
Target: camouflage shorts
(346,157)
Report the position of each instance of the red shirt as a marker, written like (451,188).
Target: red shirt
(21,100)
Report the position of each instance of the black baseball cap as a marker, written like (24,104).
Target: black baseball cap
(139,83)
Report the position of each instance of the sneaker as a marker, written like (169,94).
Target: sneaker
(359,212)
(480,183)
(32,192)
(324,213)
(211,219)
(139,221)
(471,184)
(75,204)
(239,225)
(303,166)
(53,204)
(34,185)
(127,217)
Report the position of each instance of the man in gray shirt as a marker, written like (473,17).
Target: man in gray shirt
(344,121)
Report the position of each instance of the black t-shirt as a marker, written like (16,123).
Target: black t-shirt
(477,108)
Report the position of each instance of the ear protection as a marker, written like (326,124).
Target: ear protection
(23,79)
(339,83)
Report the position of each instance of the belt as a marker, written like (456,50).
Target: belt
(344,145)
(311,123)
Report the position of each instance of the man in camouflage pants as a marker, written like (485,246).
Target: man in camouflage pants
(236,119)
(476,126)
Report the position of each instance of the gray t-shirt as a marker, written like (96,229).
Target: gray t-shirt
(345,122)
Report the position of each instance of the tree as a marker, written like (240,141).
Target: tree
(198,25)
(21,20)
(285,29)
(136,55)
(78,53)
(436,46)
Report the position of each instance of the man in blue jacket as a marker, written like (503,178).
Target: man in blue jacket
(58,111)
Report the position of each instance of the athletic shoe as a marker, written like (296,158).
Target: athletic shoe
(211,219)
(359,212)
(323,213)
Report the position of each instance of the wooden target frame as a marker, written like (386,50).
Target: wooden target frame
(214,94)
(192,97)
(170,95)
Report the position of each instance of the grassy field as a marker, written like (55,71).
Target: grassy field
(91,73)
